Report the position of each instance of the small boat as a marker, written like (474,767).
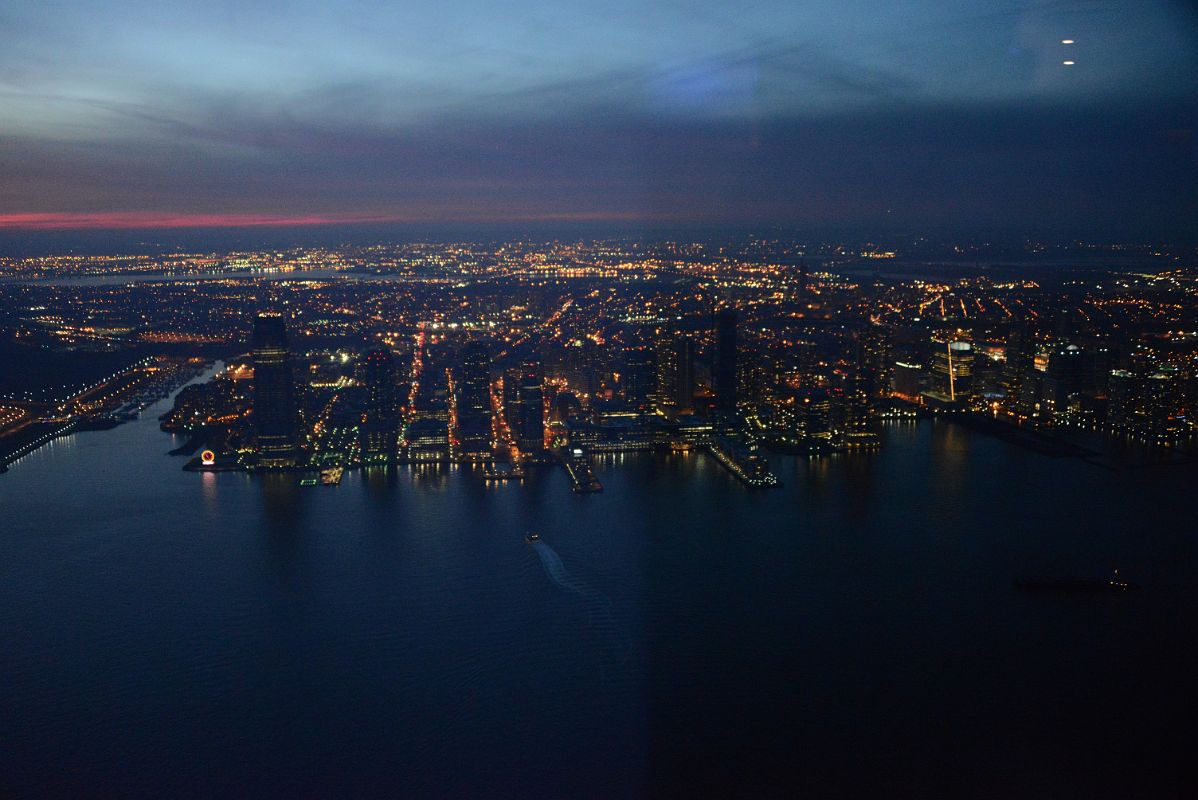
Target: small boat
(531,538)
(1115,583)
(331,476)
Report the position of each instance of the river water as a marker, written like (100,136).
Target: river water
(167,633)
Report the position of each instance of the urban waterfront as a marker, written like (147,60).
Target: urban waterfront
(172,633)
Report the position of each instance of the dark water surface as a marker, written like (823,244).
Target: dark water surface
(168,634)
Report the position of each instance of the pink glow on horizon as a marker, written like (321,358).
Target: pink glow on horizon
(153,219)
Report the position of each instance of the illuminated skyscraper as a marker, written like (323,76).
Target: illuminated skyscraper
(952,371)
(276,422)
(873,361)
(675,371)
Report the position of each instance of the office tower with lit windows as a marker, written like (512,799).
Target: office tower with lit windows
(856,402)
(675,372)
(753,377)
(377,368)
(952,372)
(380,424)
(873,362)
(276,421)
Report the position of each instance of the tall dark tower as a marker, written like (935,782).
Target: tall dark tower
(275,419)
(723,369)
(380,425)
(474,381)
(378,373)
(638,376)
(531,434)
(472,385)
(684,375)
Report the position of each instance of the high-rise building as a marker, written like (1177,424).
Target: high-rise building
(753,379)
(427,439)
(675,372)
(808,366)
(472,385)
(1066,376)
(511,399)
(1150,406)
(530,435)
(856,401)
(1123,393)
(380,425)
(377,368)
(276,422)
(474,379)
(1020,359)
(723,369)
(952,371)
(873,361)
(908,380)
(638,376)
(1162,405)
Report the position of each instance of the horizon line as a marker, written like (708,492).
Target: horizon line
(155,220)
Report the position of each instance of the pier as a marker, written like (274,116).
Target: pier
(743,462)
(582,477)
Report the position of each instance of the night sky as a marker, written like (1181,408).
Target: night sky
(927,115)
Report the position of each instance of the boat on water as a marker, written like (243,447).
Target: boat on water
(1116,583)
(531,537)
(331,476)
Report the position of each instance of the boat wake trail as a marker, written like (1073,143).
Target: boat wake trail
(614,647)
(555,569)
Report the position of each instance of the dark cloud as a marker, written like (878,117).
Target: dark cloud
(960,116)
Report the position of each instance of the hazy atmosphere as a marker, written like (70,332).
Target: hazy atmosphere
(958,115)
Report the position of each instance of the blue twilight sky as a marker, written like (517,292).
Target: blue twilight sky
(936,114)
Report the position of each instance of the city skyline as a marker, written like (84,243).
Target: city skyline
(593,491)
